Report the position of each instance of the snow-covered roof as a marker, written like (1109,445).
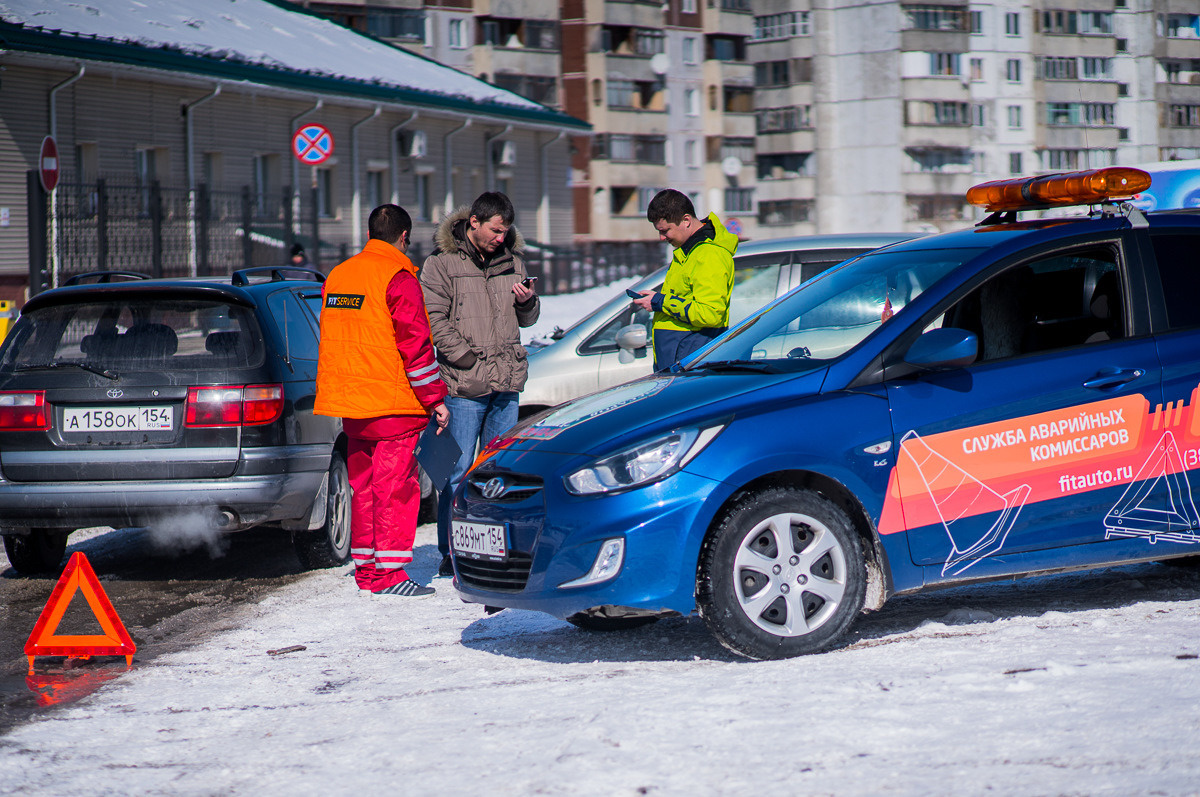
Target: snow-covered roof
(256,40)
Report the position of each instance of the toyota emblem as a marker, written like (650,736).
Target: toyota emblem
(494,487)
(115,392)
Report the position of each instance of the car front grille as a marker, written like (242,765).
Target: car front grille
(507,576)
(502,486)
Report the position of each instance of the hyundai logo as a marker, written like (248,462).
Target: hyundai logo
(494,487)
(115,392)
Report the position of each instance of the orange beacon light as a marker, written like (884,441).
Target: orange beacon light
(1058,190)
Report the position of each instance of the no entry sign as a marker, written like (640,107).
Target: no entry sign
(48,163)
(312,144)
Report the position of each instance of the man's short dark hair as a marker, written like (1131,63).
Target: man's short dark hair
(670,206)
(493,203)
(388,222)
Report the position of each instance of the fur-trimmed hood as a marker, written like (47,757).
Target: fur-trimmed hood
(447,241)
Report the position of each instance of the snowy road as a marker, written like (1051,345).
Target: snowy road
(1074,684)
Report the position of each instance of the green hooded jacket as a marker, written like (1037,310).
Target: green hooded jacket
(699,281)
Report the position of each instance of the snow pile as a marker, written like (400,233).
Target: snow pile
(256,32)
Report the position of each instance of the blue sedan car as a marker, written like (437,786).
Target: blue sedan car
(1011,399)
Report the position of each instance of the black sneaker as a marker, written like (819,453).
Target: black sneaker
(406,589)
(446,568)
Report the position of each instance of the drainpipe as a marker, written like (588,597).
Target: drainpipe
(447,170)
(395,156)
(487,154)
(191,174)
(296,166)
(54,260)
(543,214)
(356,200)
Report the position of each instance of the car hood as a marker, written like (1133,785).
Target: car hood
(656,404)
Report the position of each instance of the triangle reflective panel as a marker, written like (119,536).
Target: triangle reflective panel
(79,577)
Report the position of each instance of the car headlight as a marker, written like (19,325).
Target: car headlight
(642,463)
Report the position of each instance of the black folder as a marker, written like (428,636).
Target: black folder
(437,453)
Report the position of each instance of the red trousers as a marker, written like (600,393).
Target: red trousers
(387,497)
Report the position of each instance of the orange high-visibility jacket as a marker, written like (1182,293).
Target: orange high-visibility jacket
(360,373)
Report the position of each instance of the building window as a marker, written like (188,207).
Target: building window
(978,163)
(1014,117)
(786,211)
(1014,163)
(689,49)
(931,17)
(1084,23)
(691,102)
(784,166)
(687,6)
(739,200)
(421,203)
(1097,68)
(1065,160)
(265,184)
(945,64)
(1012,24)
(978,115)
(375,188)
(1059,68)
(782,120)
(691,153)
(1184,116)
(727,48)
(1079,114)
(406,24)
(937,207)
(629,148)
(456,34)
(1012,70)
(644,195)
(1183,26)
(936,112)
(976,22)
(620,93)
(781,26)
(938,160)
(326,206)
(976,69)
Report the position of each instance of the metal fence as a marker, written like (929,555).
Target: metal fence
(117,224)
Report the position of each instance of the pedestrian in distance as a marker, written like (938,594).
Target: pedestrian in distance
(298,257)
(378,372)
(693,306)
(479,295)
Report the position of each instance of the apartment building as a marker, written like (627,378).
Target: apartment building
(667,87)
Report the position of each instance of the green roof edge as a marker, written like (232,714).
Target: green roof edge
(21,38)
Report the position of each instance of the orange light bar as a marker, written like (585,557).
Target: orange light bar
(1055,190)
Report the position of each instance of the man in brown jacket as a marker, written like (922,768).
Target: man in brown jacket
(478,296)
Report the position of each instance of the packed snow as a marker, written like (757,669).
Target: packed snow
(1084,683)
(258,32)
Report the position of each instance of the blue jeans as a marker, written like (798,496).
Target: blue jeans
(473,421)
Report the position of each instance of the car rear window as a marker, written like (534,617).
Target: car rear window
(135,335)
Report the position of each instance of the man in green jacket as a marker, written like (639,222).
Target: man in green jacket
(693,306)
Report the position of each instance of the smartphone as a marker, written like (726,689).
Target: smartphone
(528,281)
(632,294)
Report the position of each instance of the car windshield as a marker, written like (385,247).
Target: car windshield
(129,335)
(825,318)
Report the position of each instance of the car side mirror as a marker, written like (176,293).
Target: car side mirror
(943,348)
(630,338)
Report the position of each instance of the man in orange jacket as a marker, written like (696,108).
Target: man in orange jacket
(377,371)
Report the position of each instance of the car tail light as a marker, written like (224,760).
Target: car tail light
(23,412)
(252,405)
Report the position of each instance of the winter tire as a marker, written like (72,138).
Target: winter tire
(329,545)
(39,551)
(589,622)
(782,574)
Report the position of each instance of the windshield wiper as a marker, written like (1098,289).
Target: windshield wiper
(95,369)
(755,366)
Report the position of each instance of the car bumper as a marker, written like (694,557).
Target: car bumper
(269,486)
(557,539)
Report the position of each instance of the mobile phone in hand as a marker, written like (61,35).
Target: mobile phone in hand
(528,282)
(632,294)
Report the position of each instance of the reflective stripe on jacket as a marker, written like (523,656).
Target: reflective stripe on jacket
(360,373)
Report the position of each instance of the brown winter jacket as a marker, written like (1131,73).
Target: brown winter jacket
(473,314)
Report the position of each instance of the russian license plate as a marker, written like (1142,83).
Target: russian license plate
(478,540)
(121,419)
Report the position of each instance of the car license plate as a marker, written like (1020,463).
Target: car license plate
(478,540)
(122,419)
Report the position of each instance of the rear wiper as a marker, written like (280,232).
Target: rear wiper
(95,369)
(737,365)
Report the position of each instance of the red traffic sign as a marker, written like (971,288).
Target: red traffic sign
(48,163)
(734,226)
(312,144)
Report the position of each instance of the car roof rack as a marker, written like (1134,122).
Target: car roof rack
(106,276)
(241,277)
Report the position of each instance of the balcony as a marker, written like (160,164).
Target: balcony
(637,13)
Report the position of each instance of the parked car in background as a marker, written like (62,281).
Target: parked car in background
(611,344)
(170,403)
(1018,398)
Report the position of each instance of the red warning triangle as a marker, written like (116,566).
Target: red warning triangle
(115,641)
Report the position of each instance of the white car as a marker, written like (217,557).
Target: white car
(611,345)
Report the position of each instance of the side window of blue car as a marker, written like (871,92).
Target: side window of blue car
(294,323)
(1176,256)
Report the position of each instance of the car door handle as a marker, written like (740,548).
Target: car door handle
(1113,377)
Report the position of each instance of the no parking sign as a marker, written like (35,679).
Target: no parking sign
(312,144)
